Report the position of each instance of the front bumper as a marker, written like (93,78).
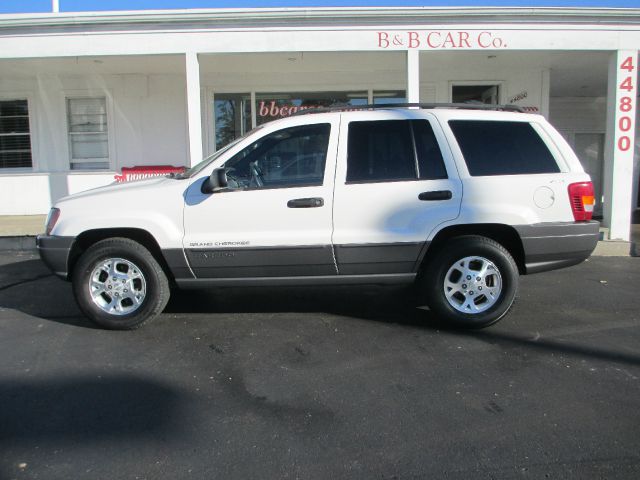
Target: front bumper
(548,246)
(54,252)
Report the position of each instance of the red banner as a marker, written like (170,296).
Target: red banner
(146,171)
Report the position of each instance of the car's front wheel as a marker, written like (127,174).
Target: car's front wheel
(119,285)
(471,282)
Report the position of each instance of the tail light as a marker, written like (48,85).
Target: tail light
(582,201)
(52,218)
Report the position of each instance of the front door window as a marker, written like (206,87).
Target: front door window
(293,156)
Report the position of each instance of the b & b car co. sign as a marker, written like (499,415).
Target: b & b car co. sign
(440,40)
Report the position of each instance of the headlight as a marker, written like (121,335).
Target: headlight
(52,218)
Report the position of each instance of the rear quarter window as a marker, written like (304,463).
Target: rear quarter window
(502,148)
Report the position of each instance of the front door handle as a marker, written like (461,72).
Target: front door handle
(435,195)
(305,203)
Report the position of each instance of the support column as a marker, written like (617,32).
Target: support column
(413,76)
(545,93)
(194,113)
(620,142)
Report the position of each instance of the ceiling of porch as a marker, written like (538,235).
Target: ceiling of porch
(572,74)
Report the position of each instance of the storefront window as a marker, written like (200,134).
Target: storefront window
(232,112)
(271,106)
(489,94)
(15,137)
(389,96)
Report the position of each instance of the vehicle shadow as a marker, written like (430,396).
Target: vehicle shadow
(39,294)
(375,303)
(368,302)
(23,271)
(551,345)
(29,287)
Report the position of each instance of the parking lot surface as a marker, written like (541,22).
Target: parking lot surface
(318,383)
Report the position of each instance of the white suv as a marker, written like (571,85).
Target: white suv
(459,200)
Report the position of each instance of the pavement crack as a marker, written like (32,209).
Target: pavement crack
(26,280)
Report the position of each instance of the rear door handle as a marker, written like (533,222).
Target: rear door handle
(435,195)
(305,203)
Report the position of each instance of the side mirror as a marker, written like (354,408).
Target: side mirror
(216,181)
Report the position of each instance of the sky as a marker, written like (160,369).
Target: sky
(32,6)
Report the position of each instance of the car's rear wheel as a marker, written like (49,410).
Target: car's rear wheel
(471,282)
(119,285)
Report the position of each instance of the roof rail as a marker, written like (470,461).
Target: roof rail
(429,106)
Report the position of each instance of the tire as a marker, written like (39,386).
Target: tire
(471,282)
(119,285)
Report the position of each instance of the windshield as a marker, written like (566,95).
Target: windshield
(190,172)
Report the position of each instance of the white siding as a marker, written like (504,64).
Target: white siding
(147,127)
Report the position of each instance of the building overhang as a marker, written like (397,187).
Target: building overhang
(203,31)
(314,17)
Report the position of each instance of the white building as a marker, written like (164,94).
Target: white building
(83,95)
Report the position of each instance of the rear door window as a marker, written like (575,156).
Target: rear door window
(430,162)
(393,150)
(502,148)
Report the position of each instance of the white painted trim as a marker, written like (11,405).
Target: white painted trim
(288,14)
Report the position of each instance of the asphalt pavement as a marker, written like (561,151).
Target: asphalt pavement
(323,383)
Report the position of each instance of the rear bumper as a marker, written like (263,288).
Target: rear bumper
(548,246)
(54,252)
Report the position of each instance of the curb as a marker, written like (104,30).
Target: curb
(612,248)
(24,243)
